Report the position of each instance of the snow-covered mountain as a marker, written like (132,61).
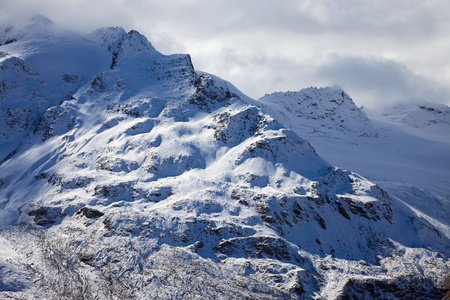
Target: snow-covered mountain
(404,149)
(127,174)
(318,112)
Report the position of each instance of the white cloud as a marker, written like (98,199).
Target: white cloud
(384,50)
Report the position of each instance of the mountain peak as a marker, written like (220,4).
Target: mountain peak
(40,20)
(316,111)
(36,26)
(133,50)
(108,36)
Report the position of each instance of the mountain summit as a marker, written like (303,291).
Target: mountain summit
(126,174)
(320,111)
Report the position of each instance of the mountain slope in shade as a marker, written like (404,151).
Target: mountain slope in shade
(147,179)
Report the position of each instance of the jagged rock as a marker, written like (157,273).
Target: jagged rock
(256,247)
(342,210)
(19,119)
(145,107)
(236,127)
(174,165)
(370,210)
(56,120)
(158,194)
(86,258)
(115,164)
(46,215)
(209,95)
(99,83)
(18,66)
(402,288)
(90,213)
(65,182)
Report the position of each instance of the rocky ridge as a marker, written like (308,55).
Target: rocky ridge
(319,111)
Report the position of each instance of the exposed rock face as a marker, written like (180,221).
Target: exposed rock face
(402,288)
(210,94)
(46,215)
(90,213)
(150,180)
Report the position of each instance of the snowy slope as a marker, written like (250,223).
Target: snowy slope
(316,112)
(426,120)
(147,179)
(41,68)
(406,151)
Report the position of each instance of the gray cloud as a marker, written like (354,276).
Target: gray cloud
(370,81)
(380,82)
(379,51)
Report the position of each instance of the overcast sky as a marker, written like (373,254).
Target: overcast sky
(379,51)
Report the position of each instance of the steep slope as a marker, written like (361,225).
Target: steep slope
(42,66)
(151,180)
(408,154)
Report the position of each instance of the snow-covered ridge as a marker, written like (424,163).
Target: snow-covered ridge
(38,25)
(319,111)
(138,177)
(420,114)
(427,120)
(38,73)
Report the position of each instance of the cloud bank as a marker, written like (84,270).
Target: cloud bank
(378,51)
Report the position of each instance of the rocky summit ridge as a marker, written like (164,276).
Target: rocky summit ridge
(127,174)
